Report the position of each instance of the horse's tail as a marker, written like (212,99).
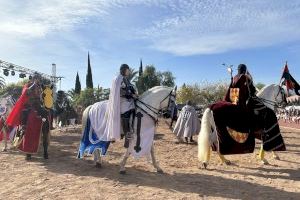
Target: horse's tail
(85,116)
(84,133)
(207,125)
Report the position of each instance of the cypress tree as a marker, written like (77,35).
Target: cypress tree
(141,68)
(89,77)
(77,85)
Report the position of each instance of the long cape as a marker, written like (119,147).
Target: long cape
(14,118)
(113,112)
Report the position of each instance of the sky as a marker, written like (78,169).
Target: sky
(191,38)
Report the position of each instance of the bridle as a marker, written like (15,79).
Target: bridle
(275,103)
(157,112)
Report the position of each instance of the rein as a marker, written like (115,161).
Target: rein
(273,103)
(153,109)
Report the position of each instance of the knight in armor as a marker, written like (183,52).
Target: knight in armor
(127,98)
(121,106)
(241,88)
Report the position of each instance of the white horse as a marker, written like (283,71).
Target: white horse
(273,96)
(6,104)
(150,104)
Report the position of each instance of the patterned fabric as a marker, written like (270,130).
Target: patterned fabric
(88,144)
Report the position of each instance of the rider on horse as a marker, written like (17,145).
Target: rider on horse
(127,97)
(121,105)
(241,88)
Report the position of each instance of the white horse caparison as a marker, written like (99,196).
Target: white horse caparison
(271,93)
(150,103)
(6,104)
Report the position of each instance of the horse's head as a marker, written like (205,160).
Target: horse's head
(168,104)
(47,95)
(273,96)
(158,100)
(280,97)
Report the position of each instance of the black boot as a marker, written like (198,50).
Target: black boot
(28,157)
(46,151)
(191,140)
(127,131)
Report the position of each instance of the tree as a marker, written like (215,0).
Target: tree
(89,76)
(133,75)
(141,68)
(77,85)
(202,94)
(73,95)
(260,86)
(167,79)
(149,79)
(14,89)
(86,98)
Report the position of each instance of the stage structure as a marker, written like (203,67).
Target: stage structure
(11,69)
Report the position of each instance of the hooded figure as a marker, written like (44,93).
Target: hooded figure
(121,105)
(241,87)
(187,124)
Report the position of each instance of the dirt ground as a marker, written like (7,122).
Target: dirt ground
(65,177)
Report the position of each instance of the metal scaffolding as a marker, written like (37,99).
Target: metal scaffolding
(12,68)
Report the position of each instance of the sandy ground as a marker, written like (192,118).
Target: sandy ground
(64,177)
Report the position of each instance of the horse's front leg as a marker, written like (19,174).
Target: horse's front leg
(123,163)
(5,141)
(224,160)
(261,156)
(275,156)
(154,162)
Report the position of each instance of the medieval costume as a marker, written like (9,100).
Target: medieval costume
(121,106)
(105,118)
(26,115)
(241,115)
(187,124)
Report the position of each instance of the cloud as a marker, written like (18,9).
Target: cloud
(210,27)
(179,27)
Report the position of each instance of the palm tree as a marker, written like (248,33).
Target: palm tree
(2,82)
(133,75)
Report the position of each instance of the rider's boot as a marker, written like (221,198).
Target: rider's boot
(127,131)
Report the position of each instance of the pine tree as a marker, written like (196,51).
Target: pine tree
(141,68)
(89,77)
(77,85)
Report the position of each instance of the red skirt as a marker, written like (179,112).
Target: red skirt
(31,139)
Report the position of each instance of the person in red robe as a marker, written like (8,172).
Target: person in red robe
(27,114)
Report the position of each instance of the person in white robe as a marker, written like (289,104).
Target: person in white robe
(121,106)
(187,124)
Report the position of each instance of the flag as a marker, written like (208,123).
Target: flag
(289,81)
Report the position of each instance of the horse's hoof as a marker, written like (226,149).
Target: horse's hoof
(264,162)
(227,162)
(159,171)
(276,157)
(28,157)
(98,165)
(4,150)
(122,172)
(204,165)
